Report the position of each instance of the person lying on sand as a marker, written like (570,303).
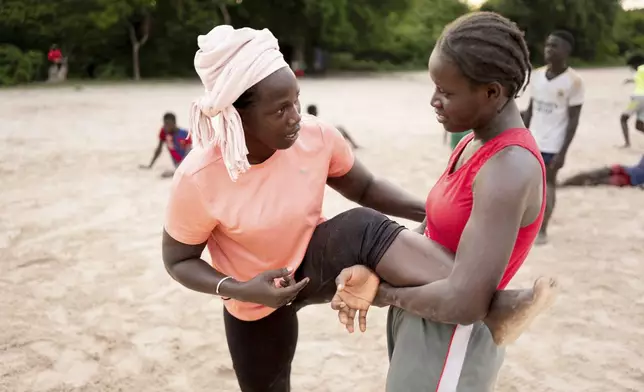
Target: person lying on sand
(253,195)
(616,175)
(177,141)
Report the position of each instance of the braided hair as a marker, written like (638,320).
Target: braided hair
(488,48)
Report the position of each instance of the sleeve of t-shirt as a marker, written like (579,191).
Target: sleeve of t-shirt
(162,134)
(342,158)
(188,219)
(576,93)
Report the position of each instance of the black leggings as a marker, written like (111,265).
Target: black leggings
(262,350)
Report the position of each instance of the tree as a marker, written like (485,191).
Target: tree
(590,21)
(135,16)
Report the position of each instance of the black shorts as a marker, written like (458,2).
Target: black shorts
(262,350)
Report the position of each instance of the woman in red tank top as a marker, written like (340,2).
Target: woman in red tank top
(487,208)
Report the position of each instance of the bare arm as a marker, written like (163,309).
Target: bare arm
(184,264)
(157,152)
(527,115)
(573,123)
(360,185)
(501,192)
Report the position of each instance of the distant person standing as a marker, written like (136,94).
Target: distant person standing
(55,56)
(176,140)
(553,113)
(313,111)
(636,104)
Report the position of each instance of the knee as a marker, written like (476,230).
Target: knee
(639,125)
(624,117)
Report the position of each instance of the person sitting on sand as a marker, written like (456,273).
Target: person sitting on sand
(616,175)
(636,104)
(253,193)
(176,139)
(313,111)
(487,208)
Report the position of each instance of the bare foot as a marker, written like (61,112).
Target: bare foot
(512,313)
(542,239)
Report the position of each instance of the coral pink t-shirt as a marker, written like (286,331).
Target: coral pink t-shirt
(266,219)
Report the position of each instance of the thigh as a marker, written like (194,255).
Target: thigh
(262,351)
(358,236)
(428,356)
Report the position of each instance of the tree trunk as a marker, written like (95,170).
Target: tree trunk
(224,13)
(137,44)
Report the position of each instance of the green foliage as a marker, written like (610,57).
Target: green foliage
(629,32)
(18,67)
(590,21)
(96,35)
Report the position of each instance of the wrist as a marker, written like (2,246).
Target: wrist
(230,288)
(384,296)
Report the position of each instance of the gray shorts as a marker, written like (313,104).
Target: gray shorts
(636,106)
(428,356)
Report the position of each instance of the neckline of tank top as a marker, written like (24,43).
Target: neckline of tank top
(451,171)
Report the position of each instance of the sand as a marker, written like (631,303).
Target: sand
(86,304)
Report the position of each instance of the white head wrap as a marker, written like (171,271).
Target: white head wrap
(229,62)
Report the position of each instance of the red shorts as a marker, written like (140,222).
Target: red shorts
(619,176)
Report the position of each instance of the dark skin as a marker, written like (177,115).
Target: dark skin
(639,125)
(557,53)
(590,178)
(272,122)
(170,126)
(421,276)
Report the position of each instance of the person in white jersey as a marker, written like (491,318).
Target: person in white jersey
(557,94)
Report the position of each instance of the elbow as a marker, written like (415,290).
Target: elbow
(463,310)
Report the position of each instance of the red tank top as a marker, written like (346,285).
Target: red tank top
(449,203)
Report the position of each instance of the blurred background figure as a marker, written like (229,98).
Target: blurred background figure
(636,104)
(177,141)
(313,110)
(616,175)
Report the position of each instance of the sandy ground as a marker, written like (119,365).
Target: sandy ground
(86,304)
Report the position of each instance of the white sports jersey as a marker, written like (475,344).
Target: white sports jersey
(550,102)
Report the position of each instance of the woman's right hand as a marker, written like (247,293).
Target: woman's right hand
(262,289)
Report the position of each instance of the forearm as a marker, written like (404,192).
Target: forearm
(157,152)
(198,275)
(570,135)
(436,302)
(392,200)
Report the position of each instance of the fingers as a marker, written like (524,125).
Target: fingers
(343,278)
(278,273)
(362,319)
(292,291)
(351,315)
(337,303)
(287,281)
